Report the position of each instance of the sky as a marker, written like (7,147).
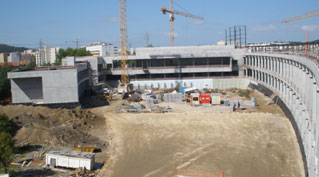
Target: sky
(59,22)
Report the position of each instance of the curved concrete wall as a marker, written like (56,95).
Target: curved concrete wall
(294,79)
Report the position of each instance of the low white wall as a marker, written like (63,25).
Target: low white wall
(197,83)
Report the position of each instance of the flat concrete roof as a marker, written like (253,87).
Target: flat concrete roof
(69,153)
(183,52)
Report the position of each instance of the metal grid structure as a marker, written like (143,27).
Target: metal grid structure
(237,36)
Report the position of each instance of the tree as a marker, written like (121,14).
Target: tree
(6,149)
(5,88)
(8,49)
(28,67)
(71,52)
(7,126)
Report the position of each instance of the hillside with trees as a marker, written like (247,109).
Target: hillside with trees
(8,49)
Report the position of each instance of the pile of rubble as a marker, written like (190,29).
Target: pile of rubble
(53,127)
(132,107)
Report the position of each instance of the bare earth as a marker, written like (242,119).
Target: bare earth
(199,141)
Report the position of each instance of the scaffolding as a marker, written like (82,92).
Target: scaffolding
(237,36)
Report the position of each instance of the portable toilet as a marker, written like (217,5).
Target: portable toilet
(205,98)
(215,98)
(194,99)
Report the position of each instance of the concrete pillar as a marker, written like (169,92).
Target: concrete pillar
(276,65)
(255,61)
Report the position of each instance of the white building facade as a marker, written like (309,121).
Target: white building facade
(103,49)
(46,55)
(14,57)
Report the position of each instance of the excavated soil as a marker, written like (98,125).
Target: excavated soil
(54,127)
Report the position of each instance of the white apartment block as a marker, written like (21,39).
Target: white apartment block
(14,57)
(46,55)
(103,49)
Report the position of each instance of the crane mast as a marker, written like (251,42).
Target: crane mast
(171,22)
(123,34)
(171,12)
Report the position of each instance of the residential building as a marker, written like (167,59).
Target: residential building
(46,55)
(14,57)
(103,49)
(4,57)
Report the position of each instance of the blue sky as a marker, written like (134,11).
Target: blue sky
(26,22)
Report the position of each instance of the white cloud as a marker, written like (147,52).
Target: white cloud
(269,27)
(310,27)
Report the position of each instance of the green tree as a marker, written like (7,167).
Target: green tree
(7,149)
(7,126)
(29,66)
(71,52)
(5,88)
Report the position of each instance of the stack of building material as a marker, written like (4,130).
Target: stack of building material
(239,102)
(149,103)
(159,98)
(167,98)
(173,97)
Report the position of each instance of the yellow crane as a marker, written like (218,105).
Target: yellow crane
(171,19)
(123,34)
(307,15)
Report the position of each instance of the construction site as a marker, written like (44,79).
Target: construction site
(231,110)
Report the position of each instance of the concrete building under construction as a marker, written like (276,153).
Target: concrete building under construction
(290,76)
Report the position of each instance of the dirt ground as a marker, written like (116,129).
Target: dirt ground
(190,141)
(200,141)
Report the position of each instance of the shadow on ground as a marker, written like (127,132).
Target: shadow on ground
(92,102)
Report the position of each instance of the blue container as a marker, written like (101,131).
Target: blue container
(182,90)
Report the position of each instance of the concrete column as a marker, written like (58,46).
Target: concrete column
(255,61)
(290,99)
(285,95)
(269,63)
(315,103)
(276,65)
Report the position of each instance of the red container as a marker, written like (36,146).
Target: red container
(205,98)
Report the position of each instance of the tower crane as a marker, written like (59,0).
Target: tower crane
(300,17)
(307,15)
(171,19)
(78,41)
(123,34)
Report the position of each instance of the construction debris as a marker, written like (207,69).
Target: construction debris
(82,172)
(132,107)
